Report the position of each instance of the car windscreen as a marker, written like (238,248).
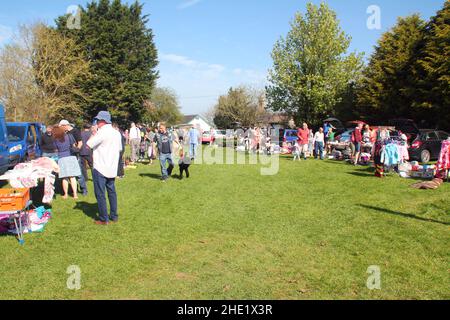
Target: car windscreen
(291,133)
(443,135)
(15,133)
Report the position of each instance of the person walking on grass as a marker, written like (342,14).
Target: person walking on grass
(303,139)
(135,142)
(193,142)
(106,143)
(69,168)
(163,140)
(319,138)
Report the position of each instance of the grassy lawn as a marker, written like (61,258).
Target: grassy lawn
(228,232)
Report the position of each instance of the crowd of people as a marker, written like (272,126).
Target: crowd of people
(146,144)
(100,148)
(310,144)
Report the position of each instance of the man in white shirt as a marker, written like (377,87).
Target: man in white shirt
(319,138)
(107,145)
(135,142)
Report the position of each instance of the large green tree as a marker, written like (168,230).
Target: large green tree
(162,106)
(389,84)
(122,58)
(432,69)
(241,105)
(311,68)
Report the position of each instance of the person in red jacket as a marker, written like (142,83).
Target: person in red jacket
(357,140)
(303,137)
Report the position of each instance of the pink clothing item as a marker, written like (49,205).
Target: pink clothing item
(403,153)
(444,160)
(36,220)
(26,175)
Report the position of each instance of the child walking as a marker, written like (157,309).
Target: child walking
(184,163)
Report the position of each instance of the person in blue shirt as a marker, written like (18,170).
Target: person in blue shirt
(193,142)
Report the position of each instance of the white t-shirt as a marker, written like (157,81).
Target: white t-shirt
(107,145)
(319,137)
(135,133)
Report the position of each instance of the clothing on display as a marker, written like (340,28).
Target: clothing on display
(27,175)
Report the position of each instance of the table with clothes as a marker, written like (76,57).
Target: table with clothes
(17,215)
(27,175)
(24,221)
(389,154)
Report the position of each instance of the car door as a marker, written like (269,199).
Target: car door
(4,150)
(434,144)
(31,142)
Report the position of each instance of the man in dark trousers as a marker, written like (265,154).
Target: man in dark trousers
(85,151)
(163,140)
(106,143)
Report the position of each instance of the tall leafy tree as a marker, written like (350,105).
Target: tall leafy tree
(389,84)
(433,71)
(311,68)
(163,106)
(122,56)
(40,75)
(240,105)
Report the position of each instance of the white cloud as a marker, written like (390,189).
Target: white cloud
(197,68)
(181,60)
(199,84)
(187,4)
(5,33)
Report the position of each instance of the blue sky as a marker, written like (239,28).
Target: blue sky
(207,46)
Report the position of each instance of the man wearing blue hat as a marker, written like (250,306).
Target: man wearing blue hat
(106,143)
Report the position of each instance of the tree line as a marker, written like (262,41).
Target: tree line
(108,63)
(314,76)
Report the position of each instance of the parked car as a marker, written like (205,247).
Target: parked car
(220,134)
(337,125)
(427,145)
(23,141)
(424,144)
(290,136)
(207,137)
(4,148)
(346,136)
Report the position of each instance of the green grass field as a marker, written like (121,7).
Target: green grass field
(310,232)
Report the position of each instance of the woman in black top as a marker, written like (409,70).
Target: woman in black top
(48,145)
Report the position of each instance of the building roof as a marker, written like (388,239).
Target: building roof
(189,118)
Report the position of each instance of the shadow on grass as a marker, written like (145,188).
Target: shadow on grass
(361,174)
(89,209)
(405,215)
(151,175)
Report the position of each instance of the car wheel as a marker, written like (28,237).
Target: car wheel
(425,156)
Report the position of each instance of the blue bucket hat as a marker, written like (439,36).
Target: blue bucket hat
(105,116)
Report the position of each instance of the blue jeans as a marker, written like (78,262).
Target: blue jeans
(100,184)
(193,150)
(52,155)
(163,159)
(319,150)
(81,178)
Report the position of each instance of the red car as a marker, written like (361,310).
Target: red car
(207,137)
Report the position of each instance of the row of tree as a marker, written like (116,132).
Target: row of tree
(408,75)
(107,62)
